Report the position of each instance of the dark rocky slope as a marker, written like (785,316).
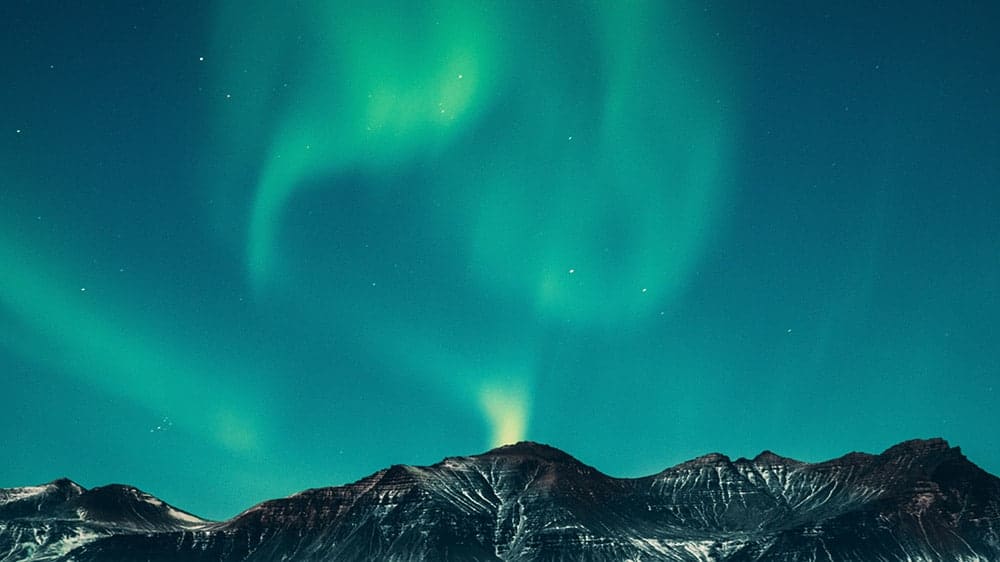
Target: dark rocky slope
(919,501)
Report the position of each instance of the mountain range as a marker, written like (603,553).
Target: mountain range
(918,501)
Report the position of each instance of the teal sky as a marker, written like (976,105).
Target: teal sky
(248,248)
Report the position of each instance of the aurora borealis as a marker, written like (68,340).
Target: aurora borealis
(249,247)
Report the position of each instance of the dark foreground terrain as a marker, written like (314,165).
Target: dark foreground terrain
(919,501)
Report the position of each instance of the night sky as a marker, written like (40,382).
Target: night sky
(248,248)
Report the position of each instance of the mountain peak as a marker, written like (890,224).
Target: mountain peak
(530,449)
(54,492)
(124,503)
(770,458)
(65,483)
(711,459)
(918,447)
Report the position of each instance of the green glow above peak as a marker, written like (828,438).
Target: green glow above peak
(598,215)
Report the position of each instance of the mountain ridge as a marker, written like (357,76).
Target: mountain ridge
(920,500)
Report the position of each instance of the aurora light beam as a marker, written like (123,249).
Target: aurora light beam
(367,91)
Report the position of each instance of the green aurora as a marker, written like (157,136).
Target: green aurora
(536,217)
(255,247)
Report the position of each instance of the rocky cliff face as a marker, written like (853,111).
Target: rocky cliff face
(918,501)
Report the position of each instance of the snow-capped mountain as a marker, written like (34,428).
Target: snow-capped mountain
(919,501)
(50,521)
